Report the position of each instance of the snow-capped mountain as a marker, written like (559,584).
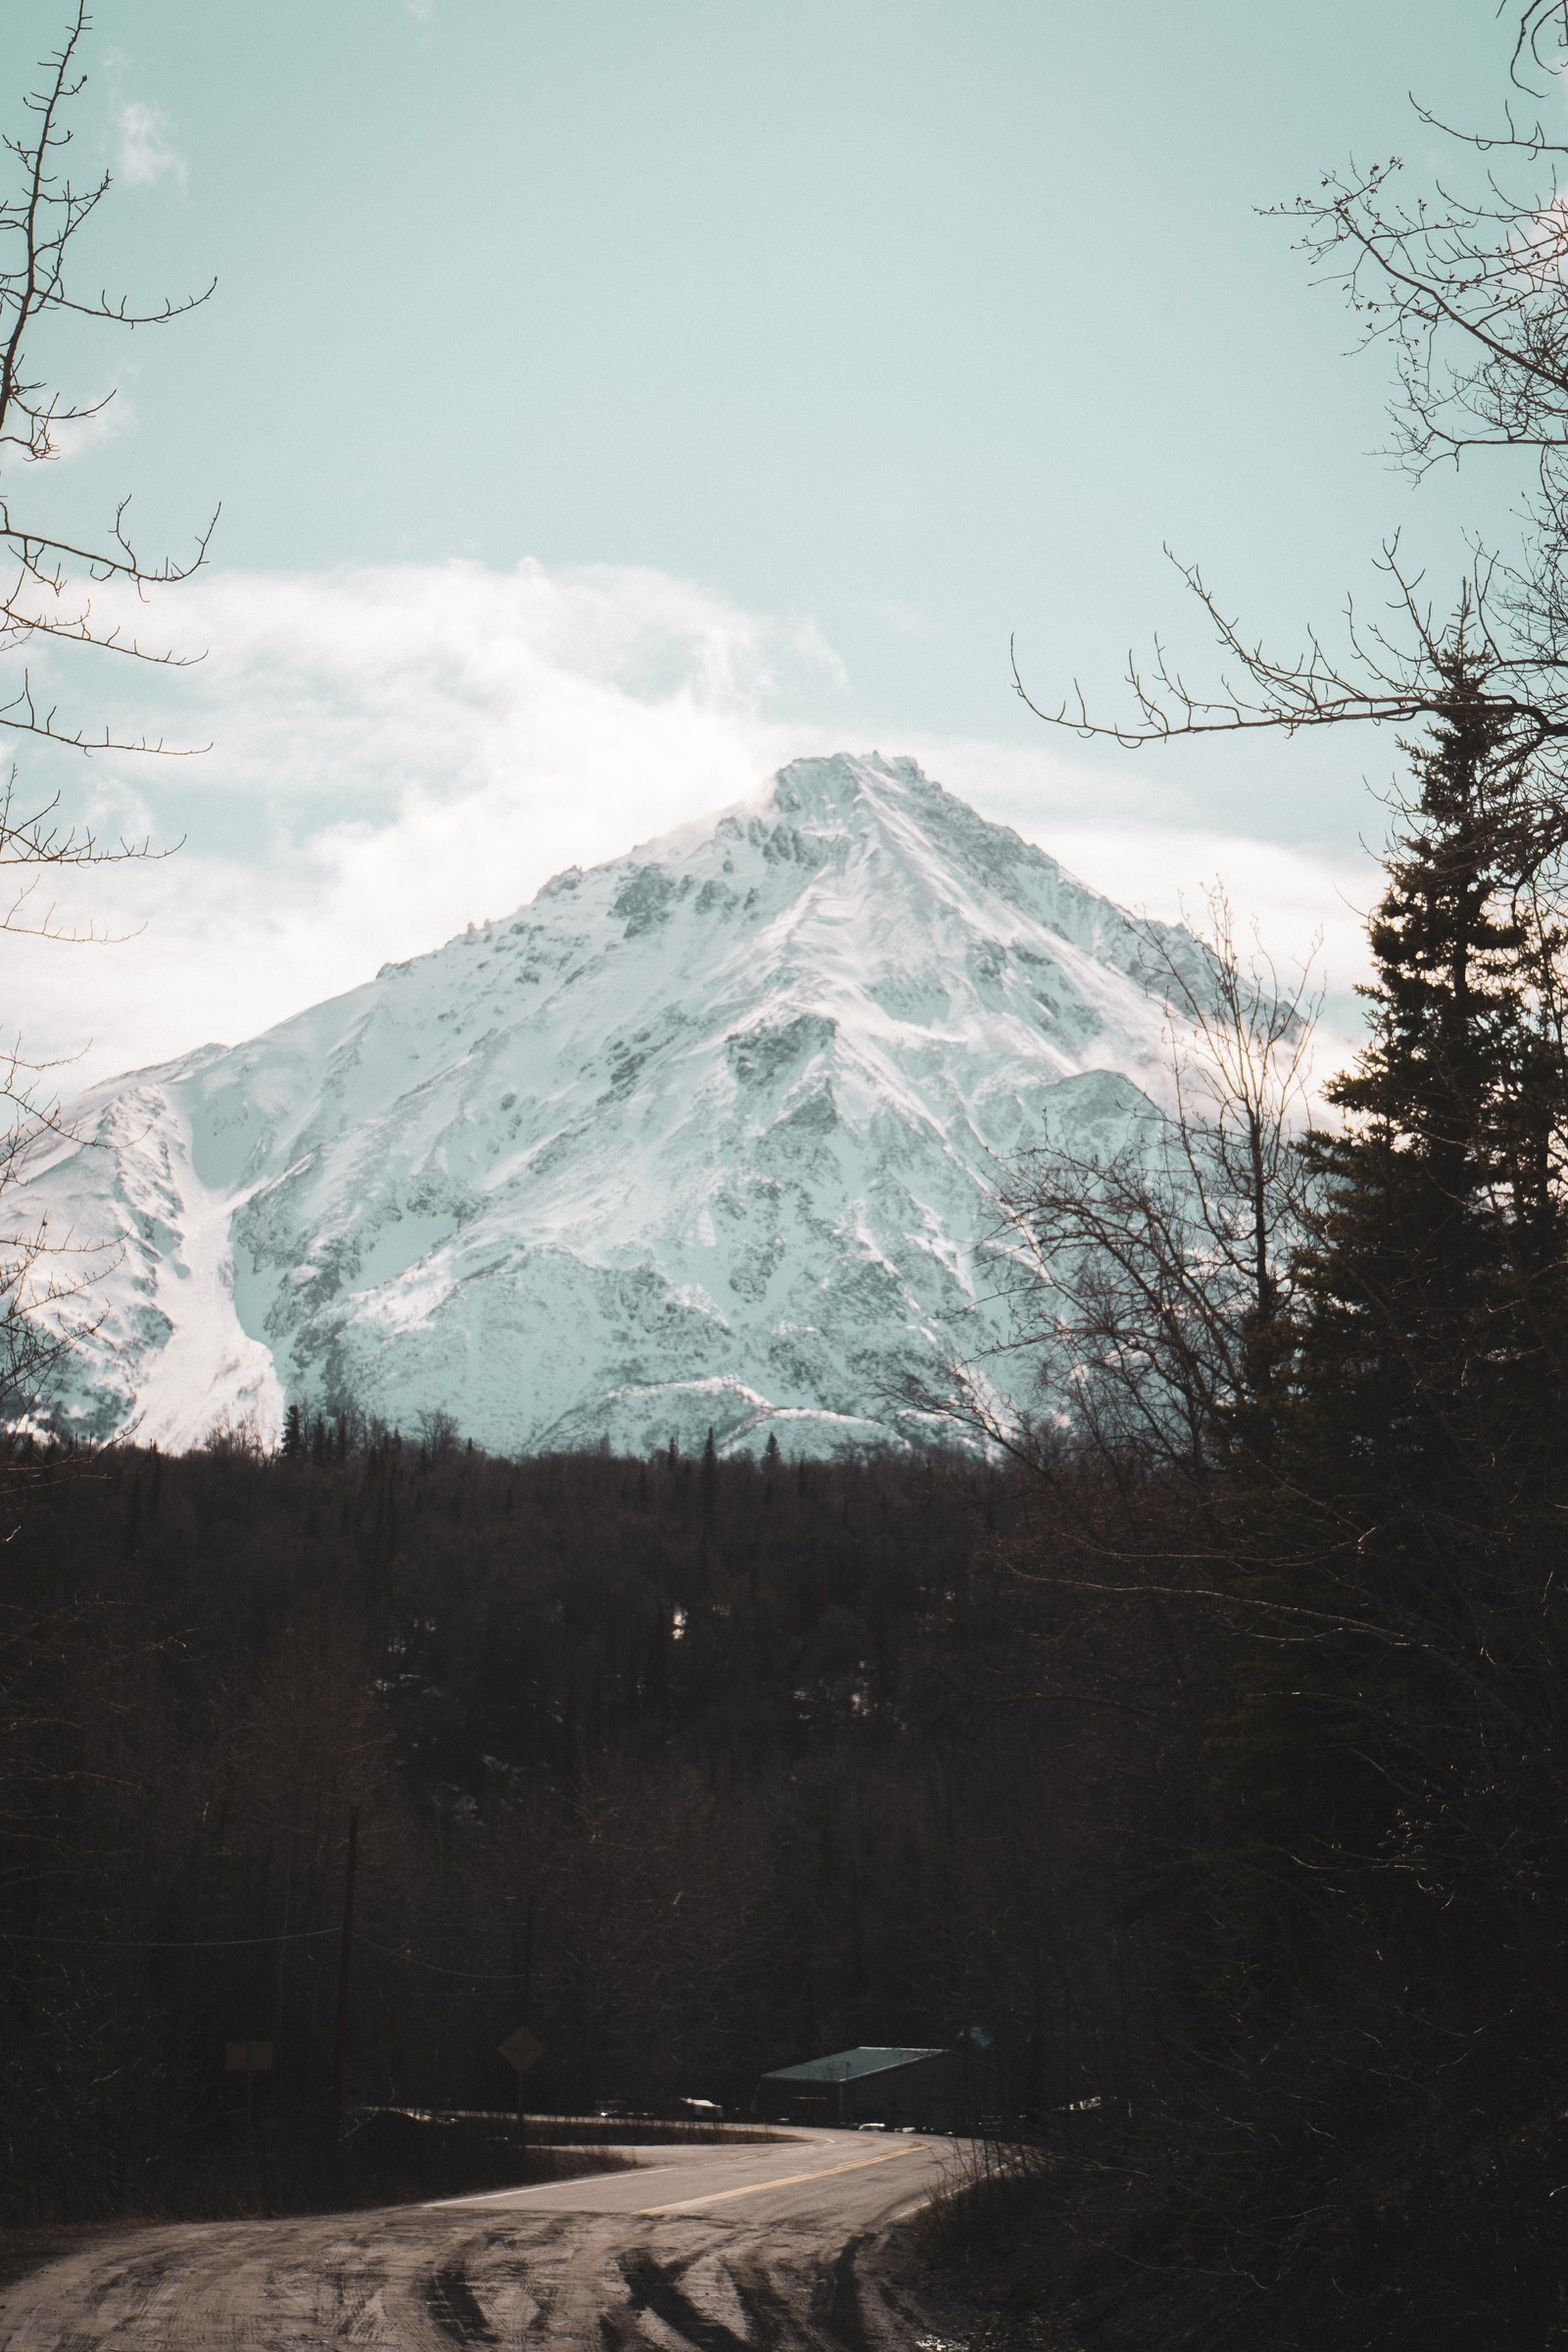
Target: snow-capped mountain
(707,1137)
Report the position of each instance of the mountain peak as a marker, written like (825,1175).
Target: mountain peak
(709,1135)
(836,782)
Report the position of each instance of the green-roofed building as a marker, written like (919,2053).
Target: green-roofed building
(871,2085)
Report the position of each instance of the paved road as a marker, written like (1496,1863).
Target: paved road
(721,2249)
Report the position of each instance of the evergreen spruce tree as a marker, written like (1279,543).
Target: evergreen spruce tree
(1429,1408)
(1431,1365)
(1390,1773)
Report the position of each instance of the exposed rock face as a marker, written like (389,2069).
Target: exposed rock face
(705,1137)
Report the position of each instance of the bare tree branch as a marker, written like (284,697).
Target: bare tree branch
(1467,284)
(47,594)
(47,583)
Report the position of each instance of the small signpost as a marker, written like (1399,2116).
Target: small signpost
(521,2049)
(250,2059)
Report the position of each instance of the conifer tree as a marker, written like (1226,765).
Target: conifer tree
(1368,1942)
(1430,1378)
(1392,1760)
(1389,1528)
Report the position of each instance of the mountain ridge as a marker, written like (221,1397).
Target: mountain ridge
(707,1135)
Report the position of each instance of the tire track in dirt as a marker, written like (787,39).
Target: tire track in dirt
(523,2278)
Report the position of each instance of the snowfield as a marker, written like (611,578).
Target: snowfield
(704,1138)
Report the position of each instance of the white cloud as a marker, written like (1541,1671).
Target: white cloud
(401,750)
(80,436)
(146,154)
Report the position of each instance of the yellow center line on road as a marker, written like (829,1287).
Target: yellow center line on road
(541,2188)
(790,2180)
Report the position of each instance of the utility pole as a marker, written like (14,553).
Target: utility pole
(345,1946)
(528,2000)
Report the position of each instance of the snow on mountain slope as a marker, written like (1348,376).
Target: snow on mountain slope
(707,1137)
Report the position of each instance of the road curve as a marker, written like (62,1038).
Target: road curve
(736,2248)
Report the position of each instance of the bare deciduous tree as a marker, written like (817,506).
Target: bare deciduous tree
(1152,1281)
(48,577)
(1467,282)
(48,593)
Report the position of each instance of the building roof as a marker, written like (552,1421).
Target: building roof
(847,2065)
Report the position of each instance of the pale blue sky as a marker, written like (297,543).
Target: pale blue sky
(889,326)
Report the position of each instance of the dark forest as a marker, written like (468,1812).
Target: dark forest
(703,1766)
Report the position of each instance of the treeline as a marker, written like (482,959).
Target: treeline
(697,1767)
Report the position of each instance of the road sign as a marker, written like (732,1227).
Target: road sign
(248,2057)
(522,2048)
